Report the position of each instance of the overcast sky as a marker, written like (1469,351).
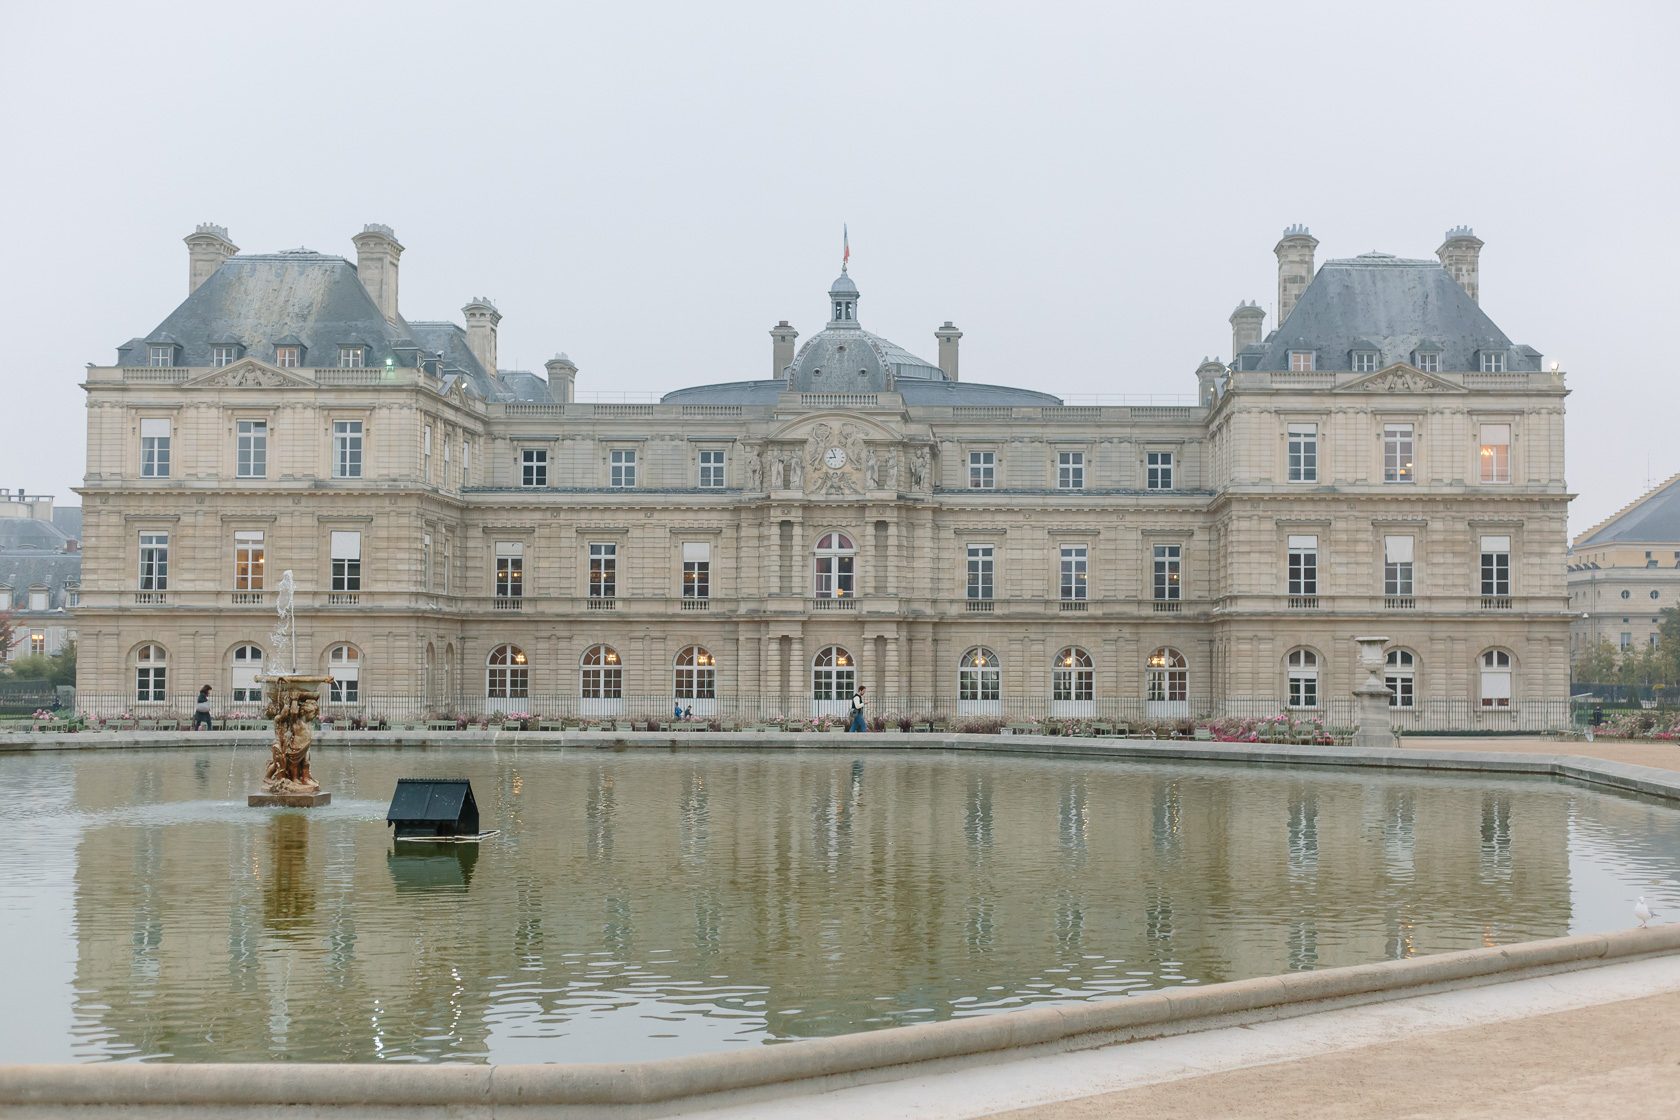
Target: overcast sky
(1087,190)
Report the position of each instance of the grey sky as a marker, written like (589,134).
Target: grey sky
(1085,189)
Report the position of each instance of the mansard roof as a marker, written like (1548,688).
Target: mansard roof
(1651,519)
(915,391)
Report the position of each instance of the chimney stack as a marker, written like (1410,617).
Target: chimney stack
(207,247)
(377,252)
(781,349)
(1461,256)
(482,318)
(1210,375)
(948,336)
(562,378)
(1295,268)
(1247,328)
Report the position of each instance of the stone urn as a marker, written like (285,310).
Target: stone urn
(1371,699)
(294,702)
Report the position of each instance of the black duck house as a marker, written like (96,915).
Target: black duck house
(425,808)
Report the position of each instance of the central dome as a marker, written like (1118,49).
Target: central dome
(845,358)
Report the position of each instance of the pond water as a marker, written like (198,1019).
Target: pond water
(642,904)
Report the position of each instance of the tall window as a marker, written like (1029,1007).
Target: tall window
(980,571)
(603,570)
(346,561)
(1303,452)
(465,450)
(1397,566)
(982,470)
(1075,571)
(623,464)
(603,674)
(1169,559)
(252,448)
(1159,466)
(1303,678)
(344,665)
(1072,676)
(287,357)
(534,467)
(223,355)
(150,674)
(1496,452)
(697,569)
(510,569)
(350,357)
(1400,677)
(154,448)
(1496,566)
(37,642)
(979,676)
(1070,470)
(1167,677)
(833,674)
(711,470)
(1397,453)
(347,448)
(836,571)
(161,355)
(507,675)
(248,560)
(696,677)
(1303,565)
(1496,679)
(426,453)
(426,562)
(154,561)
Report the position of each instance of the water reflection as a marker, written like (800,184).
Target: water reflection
(420,866)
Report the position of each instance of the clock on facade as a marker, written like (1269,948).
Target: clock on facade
(836,458)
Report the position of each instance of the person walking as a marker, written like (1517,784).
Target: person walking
(201,713)
(858,702)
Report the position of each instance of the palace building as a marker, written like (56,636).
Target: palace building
(467,538)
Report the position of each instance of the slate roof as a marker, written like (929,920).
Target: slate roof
(915,393)
(23,568)
(1652,519)
(31,534)
(68,520)
(1394,306)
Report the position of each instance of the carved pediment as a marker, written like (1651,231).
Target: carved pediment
(248,373)
(1400,378)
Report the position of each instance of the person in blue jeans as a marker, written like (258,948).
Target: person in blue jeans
(857,723)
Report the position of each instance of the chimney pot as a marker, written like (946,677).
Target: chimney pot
(1247,328)
(1295,267)
(948,336)
(482,317)
(1461,255)
(562,378)
(782,339)
(377,253)
(207,247)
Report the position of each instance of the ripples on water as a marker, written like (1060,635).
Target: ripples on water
(644,904)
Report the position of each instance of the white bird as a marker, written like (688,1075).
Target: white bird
(1642,911)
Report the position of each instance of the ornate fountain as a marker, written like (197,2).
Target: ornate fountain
(293,703)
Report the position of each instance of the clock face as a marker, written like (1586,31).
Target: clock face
(836,458)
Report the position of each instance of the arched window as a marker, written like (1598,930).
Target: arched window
(1072,683)
(1303,678)
(344,665)
(979,683)
(835,567)
(601,683)
(508,674)
(151,673)
(1496,679)
(1400,677)
(696,678)
(1166,684)
(247,666)
(833,675)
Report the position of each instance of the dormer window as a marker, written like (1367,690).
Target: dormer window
(1429,361)
(223,355)
(1301,361)
(161,356)
(288,357)
(1493,361)
(351,357)
(1364,361)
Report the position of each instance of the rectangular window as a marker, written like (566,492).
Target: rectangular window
(223,355)
(1496,452)
(1303,452)
(464,461)
(1160,470)
(287,357)
(154,561)
(1075,571)
(150,678)
(1397,565)
(1429,363)
(162,355)
(1070,470)
(711,470)
(38,600)
(346,561)
(1493,362)
(37,642)
(1627,640)
(252,448)
(623,468)
(980,570)
(1397,453)
(1496,566)
(154,448)
(1300,361)
(248,560)
(1168,570)
(1303,688)
(697,569)
(1303,565)
(426,452)
(1364,361)
(347,448)
(350,357)
(510,569)
(603,571)
(534,467)
(426,562)
(982,470)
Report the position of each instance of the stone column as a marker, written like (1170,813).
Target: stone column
(1370,699)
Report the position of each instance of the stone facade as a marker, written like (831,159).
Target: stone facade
(1624,571)
(1184,559)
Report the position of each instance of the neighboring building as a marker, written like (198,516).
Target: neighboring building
(40,575)
(1624,571)
(1387,461)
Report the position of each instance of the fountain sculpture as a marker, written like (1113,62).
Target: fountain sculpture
(293,703)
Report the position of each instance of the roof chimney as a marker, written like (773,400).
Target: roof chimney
(781,349)
(947,336)
(207,247)
(1461,256)
(562,378)
(377,252)
(1247,327)
(1295,268)
(482,318)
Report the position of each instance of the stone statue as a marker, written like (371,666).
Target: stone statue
(919,469)
(293,704)
(892,470)
(777,471)
(872,472)
(797,482)
(755,470)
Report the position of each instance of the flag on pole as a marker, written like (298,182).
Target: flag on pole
(846,244)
